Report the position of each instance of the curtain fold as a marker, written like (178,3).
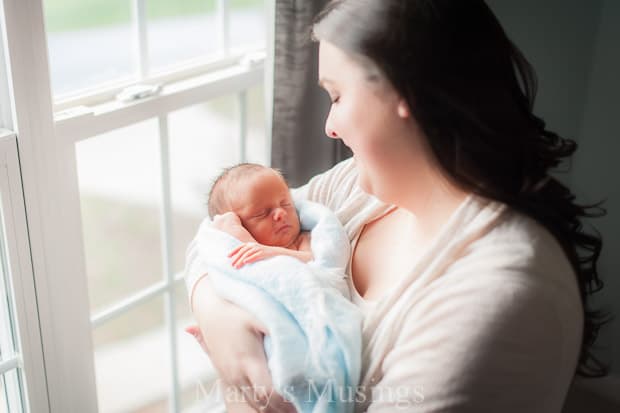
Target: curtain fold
(299,146)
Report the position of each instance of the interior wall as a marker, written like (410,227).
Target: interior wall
(596,169)
(573,45)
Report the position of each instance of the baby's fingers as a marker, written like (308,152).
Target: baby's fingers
(237,257)
(236,249)
(255,256)
(239,252)
(243,259)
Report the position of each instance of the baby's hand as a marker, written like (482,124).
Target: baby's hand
(250,252)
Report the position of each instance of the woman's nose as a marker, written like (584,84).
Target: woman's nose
(329,127)
(331,133)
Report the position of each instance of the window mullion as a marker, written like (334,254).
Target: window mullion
(167,258)
(141,50)
(242,98)
(223,25)
(268,75)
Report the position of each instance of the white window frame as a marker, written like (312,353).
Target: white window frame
(47,132)
(27,356)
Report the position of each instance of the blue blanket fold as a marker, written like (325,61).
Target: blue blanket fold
(314,341)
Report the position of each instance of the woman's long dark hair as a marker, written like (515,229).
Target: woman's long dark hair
(472,92)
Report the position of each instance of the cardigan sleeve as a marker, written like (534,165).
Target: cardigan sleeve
(501,345)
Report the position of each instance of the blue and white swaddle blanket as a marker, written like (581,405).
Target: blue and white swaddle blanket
(314,342)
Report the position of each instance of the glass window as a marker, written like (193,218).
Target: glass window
(257,147)
(120,196)
(4,407)
(7,321)
(203,140)
(11,383)
(94,43)
(11,392)
(248,23)
(132,361)
(179,31)
(90,43)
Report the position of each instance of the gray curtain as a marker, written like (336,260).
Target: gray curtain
(299,145)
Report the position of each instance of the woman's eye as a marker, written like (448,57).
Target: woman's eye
(336,99)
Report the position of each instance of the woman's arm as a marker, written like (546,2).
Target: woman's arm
(503,345)
(234,341)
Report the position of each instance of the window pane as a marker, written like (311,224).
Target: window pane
(4,407)
(11,392)
(89,42)
(132,361)
(181,30)
(7,328)
(120,191)
(257,129)
(203,139)
(248,23)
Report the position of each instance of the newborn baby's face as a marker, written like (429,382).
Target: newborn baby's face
(264,205)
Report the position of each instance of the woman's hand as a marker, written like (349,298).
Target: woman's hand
(233,339)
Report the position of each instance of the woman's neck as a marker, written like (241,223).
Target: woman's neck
(432,204)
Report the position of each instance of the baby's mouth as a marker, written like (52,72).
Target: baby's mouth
(282,228)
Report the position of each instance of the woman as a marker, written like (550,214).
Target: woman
(469,260)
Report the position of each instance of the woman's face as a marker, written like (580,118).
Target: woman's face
(371,119)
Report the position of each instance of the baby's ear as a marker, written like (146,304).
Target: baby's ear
(403,109)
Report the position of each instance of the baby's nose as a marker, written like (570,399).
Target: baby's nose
(279,214)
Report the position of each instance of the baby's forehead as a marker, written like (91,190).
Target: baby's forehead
(254,182)
(265,176)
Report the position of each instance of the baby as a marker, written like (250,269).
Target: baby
(253,204)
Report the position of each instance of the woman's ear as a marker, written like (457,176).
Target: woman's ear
(403,109)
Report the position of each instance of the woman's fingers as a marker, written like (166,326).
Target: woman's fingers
(195,331)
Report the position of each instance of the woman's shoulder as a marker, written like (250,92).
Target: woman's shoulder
(518,246)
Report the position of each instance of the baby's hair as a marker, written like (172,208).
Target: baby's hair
(219,195)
